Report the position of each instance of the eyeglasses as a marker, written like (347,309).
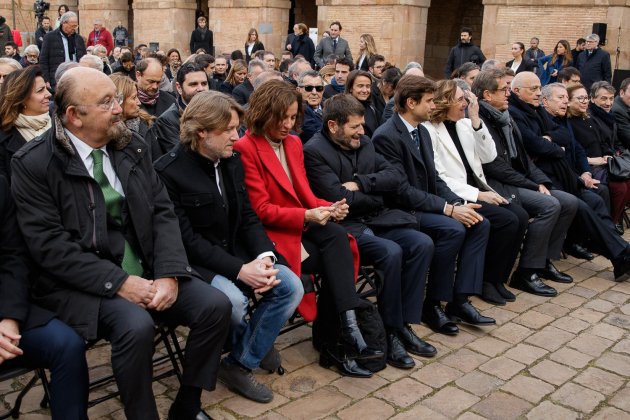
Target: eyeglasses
(309,88)
(108,105)
(505,90)
(582,98)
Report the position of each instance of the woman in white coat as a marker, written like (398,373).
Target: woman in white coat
(461,145)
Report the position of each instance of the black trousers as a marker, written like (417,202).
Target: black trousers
(330,256)
(508,224)
(130,329)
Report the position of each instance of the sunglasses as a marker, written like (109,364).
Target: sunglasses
(309,88)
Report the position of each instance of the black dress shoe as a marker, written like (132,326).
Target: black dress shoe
(437,320)
(578,251)
(531,284)
(490,294)
(334,356)
(619,228)
(396,354)
(174,414)
(414,344)
(505,293)
(550,272)
(621,267)
(467,314)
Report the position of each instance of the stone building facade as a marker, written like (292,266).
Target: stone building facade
(404,30)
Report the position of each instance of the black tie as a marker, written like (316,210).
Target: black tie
(334,45)
(415,138)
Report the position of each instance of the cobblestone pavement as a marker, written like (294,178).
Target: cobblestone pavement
(566,357)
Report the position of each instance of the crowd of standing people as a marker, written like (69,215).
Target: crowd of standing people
(153,188)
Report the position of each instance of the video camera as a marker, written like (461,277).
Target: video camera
(40,7)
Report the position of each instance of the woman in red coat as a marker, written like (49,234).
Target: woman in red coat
(300,224)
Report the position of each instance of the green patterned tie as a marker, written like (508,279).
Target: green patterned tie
(113,202)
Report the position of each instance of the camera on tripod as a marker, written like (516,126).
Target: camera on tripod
(40,7)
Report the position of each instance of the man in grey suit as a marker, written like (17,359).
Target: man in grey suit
(332,45)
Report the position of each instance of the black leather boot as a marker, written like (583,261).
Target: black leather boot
(351,335)
(333,355)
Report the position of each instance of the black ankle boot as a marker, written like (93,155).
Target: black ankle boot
(333,355)
(352,337)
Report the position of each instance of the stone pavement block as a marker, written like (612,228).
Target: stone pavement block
(391,373)
(597,264)
(404,392)
(525,301)
(419,412)
(582,291)
(244,407)
(618,320)
(512,333)
(625,309)
(588,315)
(271,416)
(479,383)
(359,388)
(590,344)
(100,410)
(35,416)
(501,406)
(469,415)
(453,341)
(568,300)
(502,367)
(550,411)
(528,388)
(303,381)
(533,319)
(622,287)
(614,362)
(577,397)
(600,305)
(607,331)
(622,347)
(552,309)
(320,403)
(293,337)
(464,360)
(571,357)
(298,356)
(622,399)
(450,401)
(501,315)
(579,274)
(615,297)
(437,374)
(600,380)
(370,408)
(610,413)
(218,413)
(489,346)
(597,283)
(570,324)
(219,394)
(550,338)
(552,372)
(525,353)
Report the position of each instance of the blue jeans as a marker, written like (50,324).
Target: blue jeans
(57,347)
(252,340)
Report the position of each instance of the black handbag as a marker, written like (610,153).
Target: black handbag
(619,166)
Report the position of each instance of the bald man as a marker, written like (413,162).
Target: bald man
(101,230)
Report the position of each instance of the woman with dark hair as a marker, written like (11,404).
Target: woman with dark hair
(23,112)
(367,48)
(518,63)
(201,37)
(359,85)
(461,145)
(60,11)
(133,116)
(174,62)
(252,44)
(467,72)
(302,44)
(296,220)
(235,77)
(551,64)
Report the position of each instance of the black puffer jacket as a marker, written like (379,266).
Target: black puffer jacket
(463,53)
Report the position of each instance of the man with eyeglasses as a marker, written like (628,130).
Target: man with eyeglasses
(61,45)
(563,160)
(594,63)
(376,64)
(311,86)
(621,112)
(514,175)
(149,72)
(105,239)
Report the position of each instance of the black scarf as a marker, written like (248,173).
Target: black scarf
(502,120)
(599,112)
(72,49)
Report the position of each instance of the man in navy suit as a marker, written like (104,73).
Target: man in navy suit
(455,227)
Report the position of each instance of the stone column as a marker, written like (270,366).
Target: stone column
(506,21)
(168,22)
(111,11)
(399,27)
(231,20)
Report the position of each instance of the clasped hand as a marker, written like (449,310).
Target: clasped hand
(158,294)
(9,339)
(259,275)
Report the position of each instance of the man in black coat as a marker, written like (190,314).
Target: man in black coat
(557,154)
(224,239)
(61,45)
(149,72)
(164,133)
(594,63)
(311,86)
(29,335)
(341,163)
(242,92)
(515,176)
(102,233)
(621,112)
(458,232)
(463,52)
(41,31)
(201,37)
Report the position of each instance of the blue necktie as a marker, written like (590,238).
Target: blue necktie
(415,138)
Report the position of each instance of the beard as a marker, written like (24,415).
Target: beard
(117,130)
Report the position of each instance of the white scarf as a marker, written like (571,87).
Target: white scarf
(32,126)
